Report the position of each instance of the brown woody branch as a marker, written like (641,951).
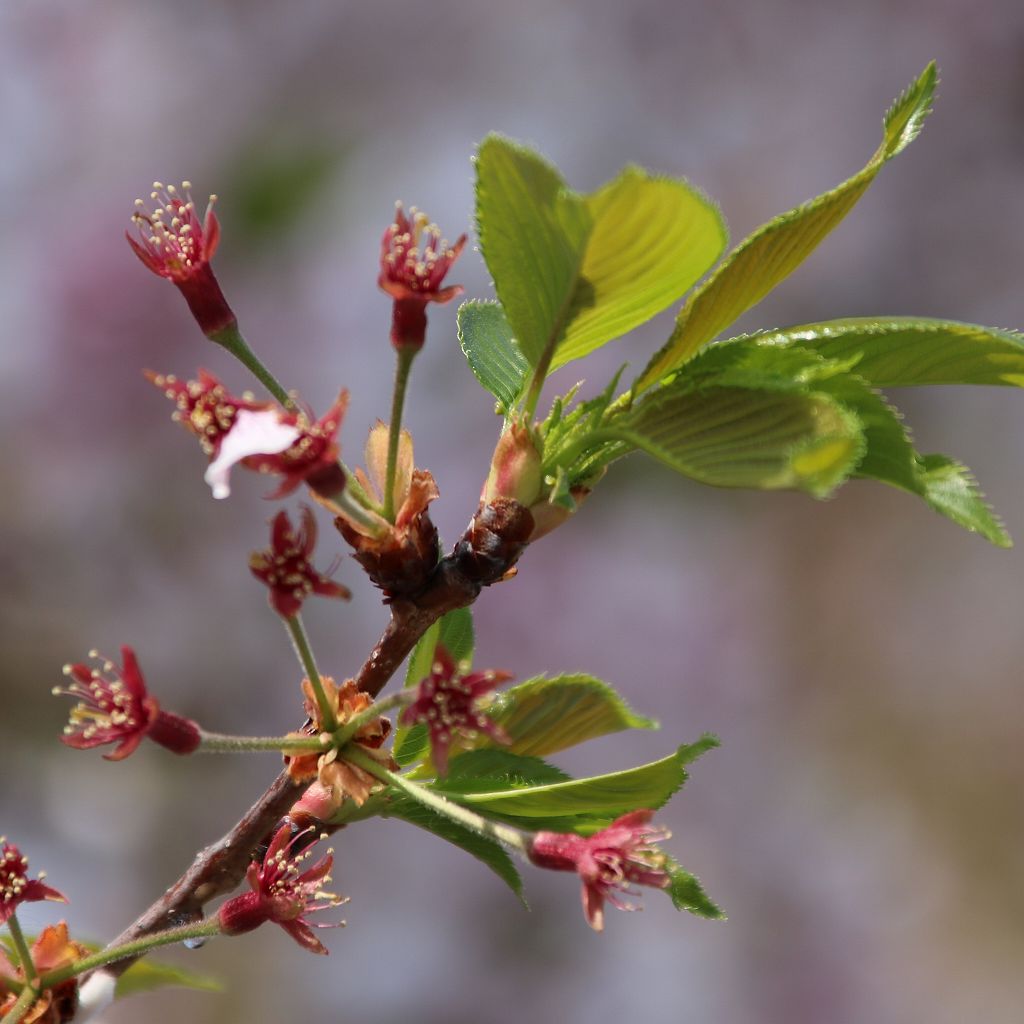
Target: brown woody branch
(495,539)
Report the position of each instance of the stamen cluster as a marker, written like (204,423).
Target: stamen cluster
(15,885)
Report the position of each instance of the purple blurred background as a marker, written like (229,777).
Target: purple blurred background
(863,823)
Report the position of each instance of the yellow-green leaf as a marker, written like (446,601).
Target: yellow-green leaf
(777,248)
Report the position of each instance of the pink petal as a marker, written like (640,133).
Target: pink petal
(253,433)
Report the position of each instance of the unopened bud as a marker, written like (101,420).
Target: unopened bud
(515,468)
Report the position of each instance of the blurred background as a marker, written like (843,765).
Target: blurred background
(863,822)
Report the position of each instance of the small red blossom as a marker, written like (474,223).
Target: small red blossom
(173,243)
(286,569)
(283,892)
(608,862)
(15,885)
(261,436)
(114,706)
(447,702)
(51,951)
(414,260)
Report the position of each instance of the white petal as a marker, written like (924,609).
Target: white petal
(95,995)
(253,433)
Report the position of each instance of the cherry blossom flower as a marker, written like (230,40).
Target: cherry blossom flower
(51,950)
(283,892)
(114,706)
(15,885)
(261,436)
(609,862)
(414,260)
(286,569)
(447,701)
(334,779)
(173,243)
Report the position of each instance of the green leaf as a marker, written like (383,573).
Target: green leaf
(491,351)
(542,715)
(649,786)
(773,359)
(575,271)
(454,631)
(146,975)
(767,438)
(496,768)
(776,249)
(687,893)
(487,851)
(900,351)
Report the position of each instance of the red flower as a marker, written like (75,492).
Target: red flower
(446,701)
(608,861)
(51,951)
(286,568)
(175,244)
(15,885)
(116,708)
(260,435)
(414,260)
(283,893)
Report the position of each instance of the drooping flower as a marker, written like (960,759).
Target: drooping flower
(414,260)
(286,569)
(283,892)
(173,243)
(447,701)
(15,885)
(334,779)
(400,556)
(114,706)
(609,862)
(51,950)
(261,436)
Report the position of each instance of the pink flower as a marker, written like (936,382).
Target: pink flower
(414,260)
(447,702)
(115,707)
(261,436)
(286,568)
(175,244)
(283,893)
(609,861)
(15,885)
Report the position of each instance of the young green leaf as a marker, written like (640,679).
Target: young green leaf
(687,893)
(487,851)
(766,438)
(574,271)
(900,351)
(146,975)
(491,351)
(776,249)
(650,785)
(542,715)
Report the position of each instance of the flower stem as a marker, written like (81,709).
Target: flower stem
(200,930)
(21,948)
(406,355)
(231,339)
(342,735)
(437,803)
(328,723)
(219,743)
(20,1008)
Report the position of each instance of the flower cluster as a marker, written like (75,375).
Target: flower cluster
(284,892)
(53,949)
(414,260)
(114,706)
(261,436)
(286,569)
(15,885)
(333,779)
(608,862)
(447,702)
(173,243)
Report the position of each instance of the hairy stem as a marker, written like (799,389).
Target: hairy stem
(231,339)
(21,948)
(219,743)
(305,653)
(405,357)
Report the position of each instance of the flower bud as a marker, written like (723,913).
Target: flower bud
(515,468)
